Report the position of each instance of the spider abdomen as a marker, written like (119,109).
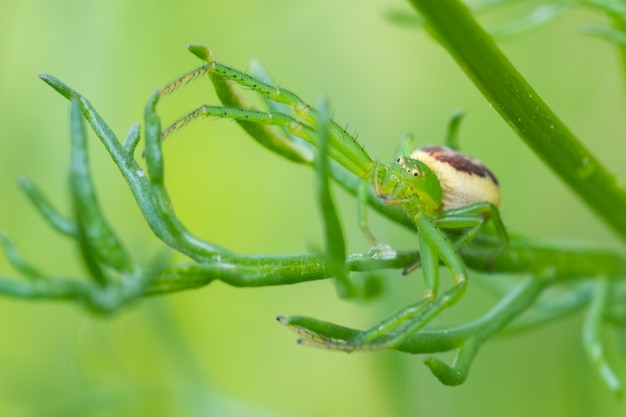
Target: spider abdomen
(464,180)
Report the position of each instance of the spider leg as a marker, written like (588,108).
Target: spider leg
(434,245)
(343,147)
(376,338)
(471,218)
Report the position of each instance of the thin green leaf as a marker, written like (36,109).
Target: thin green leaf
(553,304)
(455,374)
(59,86)
(55,219)
(608,6)
(604,32)
(592,337)
(452,136)
(482,5)
(99,236)
(132,138)
(153,152)
(333,235)
(50,289)
(538,16)
(18,261)
(404,18)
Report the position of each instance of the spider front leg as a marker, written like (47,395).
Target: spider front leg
(434,246)
(343,148)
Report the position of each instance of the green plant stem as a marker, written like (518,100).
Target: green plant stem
(520,106)
(566,259)
(568,264)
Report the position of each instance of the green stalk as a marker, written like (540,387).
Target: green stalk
(452,24)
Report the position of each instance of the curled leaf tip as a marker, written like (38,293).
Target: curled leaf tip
(153,100)
(47,78)
(201,51)
(23,181)
(58,85)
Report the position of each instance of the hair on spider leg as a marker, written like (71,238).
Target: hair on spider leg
(183,80)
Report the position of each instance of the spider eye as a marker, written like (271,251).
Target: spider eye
(399,160)
(416,173)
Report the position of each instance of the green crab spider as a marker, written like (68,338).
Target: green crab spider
(447,195)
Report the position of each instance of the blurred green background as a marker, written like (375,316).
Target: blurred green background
(217,351)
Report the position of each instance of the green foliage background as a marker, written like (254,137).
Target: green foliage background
(218,351)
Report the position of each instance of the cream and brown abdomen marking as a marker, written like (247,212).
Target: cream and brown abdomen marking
(464,180)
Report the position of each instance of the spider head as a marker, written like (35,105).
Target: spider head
(422,180)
